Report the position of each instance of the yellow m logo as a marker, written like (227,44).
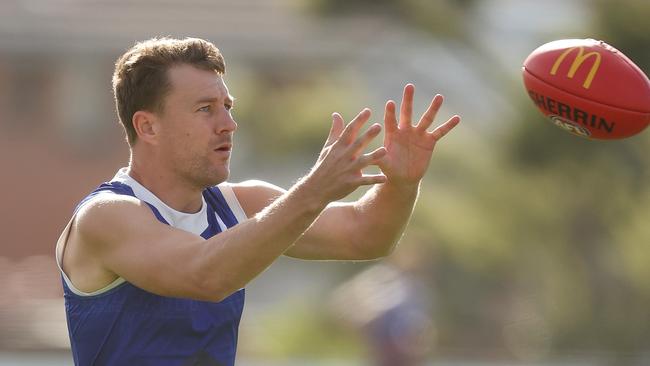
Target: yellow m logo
(581,57)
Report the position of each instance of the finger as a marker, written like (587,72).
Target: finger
(406,108)
(363,140)
(390,120)
(371,158)
(370,179)
(335,130)
(443,129)
(352,129)
(429,116)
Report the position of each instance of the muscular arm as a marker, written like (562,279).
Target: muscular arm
(173,262)
(383,213)
(366,229)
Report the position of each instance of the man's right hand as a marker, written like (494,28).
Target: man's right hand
(338,170)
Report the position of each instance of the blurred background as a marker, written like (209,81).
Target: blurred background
(528,245)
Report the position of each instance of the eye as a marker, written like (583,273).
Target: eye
(228,106)
(205,108)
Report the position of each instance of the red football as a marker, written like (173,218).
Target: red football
(588,88)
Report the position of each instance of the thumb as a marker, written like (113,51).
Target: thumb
(383,163)
(336,130)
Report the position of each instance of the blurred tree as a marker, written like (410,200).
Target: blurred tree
(291,115)
(625,25)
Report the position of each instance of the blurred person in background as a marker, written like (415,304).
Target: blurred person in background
(155,261)
(389,304)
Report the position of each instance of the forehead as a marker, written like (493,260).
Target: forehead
(189,82)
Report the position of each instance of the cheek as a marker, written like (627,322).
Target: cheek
(191,146)
(186,138)
(185,143)
(178,147)
(180,134)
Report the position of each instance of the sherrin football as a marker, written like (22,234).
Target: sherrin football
(588,88)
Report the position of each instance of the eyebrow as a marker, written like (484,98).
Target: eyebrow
(229,98)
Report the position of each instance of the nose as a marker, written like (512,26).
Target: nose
(226,124)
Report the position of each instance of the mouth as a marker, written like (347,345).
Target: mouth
(224,148)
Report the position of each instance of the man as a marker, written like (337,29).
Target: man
(154,262)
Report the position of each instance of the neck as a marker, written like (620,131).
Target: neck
(174,191)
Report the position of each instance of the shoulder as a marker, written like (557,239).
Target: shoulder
(107,204)
(254,195)
(102,225)
(108,214)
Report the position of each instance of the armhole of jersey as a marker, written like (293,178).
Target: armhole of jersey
(233,202)
(60,251)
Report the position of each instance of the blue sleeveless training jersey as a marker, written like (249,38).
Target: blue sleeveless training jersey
(125,325)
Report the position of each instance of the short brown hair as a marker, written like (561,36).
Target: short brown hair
(140,80)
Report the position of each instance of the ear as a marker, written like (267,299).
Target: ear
(146,126)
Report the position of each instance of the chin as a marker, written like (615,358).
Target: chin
(206,173)
(217,177)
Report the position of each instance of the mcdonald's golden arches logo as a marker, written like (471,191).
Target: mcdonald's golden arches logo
(580,58)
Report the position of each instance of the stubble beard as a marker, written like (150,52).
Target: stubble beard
(202,173)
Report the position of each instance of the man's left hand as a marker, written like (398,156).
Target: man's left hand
(409,147)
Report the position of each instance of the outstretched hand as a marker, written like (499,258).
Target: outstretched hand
(409,147)
(338,171)
(403,159)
